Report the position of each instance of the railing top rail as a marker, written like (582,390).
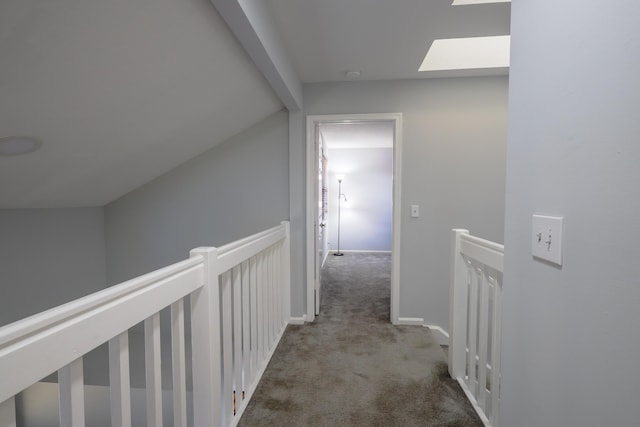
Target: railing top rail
(484,243)
(239,251)
(55,315)
(242,242)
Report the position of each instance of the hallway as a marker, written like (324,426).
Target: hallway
(351,367)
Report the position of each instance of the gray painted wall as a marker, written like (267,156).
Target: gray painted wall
(365,220)
(571,340)
(453,166)
(233,190)
(49,257)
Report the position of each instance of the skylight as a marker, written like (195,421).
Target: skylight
(467,53)
(465,2)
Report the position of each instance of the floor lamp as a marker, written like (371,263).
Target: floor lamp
(340,196)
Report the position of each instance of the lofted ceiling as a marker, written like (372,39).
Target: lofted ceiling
(119,92)
(384,39)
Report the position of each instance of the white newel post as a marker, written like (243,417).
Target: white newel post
(205,330)
(286,272)
(457,309)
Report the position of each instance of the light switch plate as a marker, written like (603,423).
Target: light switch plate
(415,211)
(546,238)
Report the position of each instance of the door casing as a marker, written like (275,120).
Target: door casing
(312,205)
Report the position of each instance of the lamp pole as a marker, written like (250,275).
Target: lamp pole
(339,203)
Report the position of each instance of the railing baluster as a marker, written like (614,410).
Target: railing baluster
(264,330)
(270,301)
(274,294)
(8,413)
(473,330)
(246,327)
(206,343)
(71,386)
(483,337)
(227,349)
(496,345)
(274,312)
(260,308)
(265,302)
(286,271)
(178,364)
(254,314)
(153,372)
(276,289)
(119,382)
(277,264)
(237,335)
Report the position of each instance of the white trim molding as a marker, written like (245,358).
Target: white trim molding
(312,122)
(357,251)
(441,336)
(410,321)
(298,320)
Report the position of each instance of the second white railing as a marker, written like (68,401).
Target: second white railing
(239,297)
(475,321)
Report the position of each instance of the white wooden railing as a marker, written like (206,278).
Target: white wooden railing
(239,297)
(475,321)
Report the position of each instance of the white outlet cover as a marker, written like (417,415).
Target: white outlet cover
(546,238)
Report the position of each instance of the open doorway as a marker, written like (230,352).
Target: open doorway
(358,159)
(366,222)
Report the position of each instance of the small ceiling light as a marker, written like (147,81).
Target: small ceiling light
(18,145)
(353,74)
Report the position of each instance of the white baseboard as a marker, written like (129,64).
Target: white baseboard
(298,320)
(410,321)
(360,252)
(439,334)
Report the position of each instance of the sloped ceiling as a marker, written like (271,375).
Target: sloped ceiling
(384,39)
(119,92)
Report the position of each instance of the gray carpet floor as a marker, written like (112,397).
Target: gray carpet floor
(351,367)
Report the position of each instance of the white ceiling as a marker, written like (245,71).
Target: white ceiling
(119,91)
(357,135)
(385,39)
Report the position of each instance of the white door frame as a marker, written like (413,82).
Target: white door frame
(312,204)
